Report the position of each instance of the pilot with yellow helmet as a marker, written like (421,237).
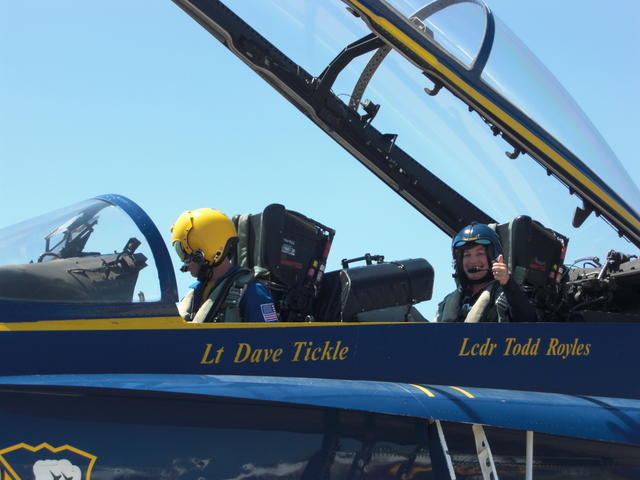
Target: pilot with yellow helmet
(204,239)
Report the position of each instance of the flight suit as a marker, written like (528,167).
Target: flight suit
(236,297)
(495,303)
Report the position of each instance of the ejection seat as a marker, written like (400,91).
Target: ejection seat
(288,252)
(534,253)
(535,256)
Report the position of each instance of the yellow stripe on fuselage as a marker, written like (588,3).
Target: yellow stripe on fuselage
(422,389)
(159,323)
(396,33)
(464,392)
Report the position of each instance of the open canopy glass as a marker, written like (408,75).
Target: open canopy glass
(491,71)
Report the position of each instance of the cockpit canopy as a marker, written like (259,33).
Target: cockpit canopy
(461,45)
(518,106)
(99,251)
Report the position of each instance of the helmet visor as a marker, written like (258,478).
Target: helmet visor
(479,241)
(182,254)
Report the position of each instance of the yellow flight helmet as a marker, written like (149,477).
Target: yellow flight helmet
(204,234)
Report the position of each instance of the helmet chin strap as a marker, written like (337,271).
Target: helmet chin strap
(205,272)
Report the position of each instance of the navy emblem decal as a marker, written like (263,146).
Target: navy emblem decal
(45,462)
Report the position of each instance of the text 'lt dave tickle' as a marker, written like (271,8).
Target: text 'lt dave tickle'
(301,351)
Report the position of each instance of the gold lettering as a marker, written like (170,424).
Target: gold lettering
(553,344)
(255,355)
(487,348)
(462,352)
(535,347)
(529,348)
(510,341)
(205,360)
(277,353)
(315,351)
(298,346)
(306,352)
(587,349)
(258,355)
(242,353)
(335,353)
(326,351)
(484,349)
(306,356)
(343,352)
(565,350)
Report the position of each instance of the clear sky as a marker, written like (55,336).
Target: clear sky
(135,98)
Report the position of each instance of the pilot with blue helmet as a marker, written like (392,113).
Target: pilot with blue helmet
(204,239)
(486,292)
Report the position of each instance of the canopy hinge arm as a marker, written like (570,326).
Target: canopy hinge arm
(328,76)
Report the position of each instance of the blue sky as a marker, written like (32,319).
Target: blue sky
(135,98)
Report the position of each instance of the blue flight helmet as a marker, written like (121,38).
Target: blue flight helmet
(474,234)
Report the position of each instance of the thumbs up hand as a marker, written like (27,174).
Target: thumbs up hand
(500,271)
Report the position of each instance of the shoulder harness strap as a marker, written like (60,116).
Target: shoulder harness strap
(487,298)
(223,303)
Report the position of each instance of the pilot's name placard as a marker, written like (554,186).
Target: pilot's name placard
(529,347)
(301,351)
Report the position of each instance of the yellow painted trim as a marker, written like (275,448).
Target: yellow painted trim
(145,323)
(464,392)
(498,112)
(160,323)
(422,389)
(92,458)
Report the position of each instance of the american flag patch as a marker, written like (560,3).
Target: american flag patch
(269,312)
